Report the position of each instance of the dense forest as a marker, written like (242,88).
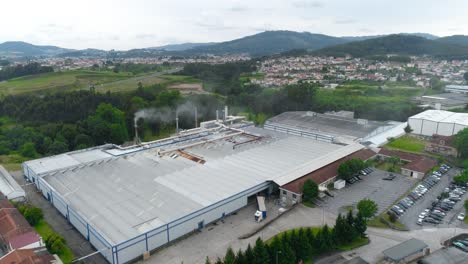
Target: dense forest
(34,125)
(19,70)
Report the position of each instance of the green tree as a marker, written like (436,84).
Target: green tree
(207,260)
(58,146)
(230,257)
(360,225)
(352,234)
(240,258)
(261,252)
(107,125)
(29,150)
(310,191)
(344,171)
(249,254)
(304,248)
(367,208)
(461,143)
(466,205)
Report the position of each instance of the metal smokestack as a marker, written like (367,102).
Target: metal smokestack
(226,114)
(217,115)
(137,139)
(177,122)
(196,117)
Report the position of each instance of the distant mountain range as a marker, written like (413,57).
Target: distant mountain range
(269,43)
(400,44)
(20,48)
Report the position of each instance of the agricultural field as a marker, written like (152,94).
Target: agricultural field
(59,81)
(82,79)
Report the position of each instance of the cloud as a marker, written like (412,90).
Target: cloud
(145,36)
(214,26)
(345,21)
(237,9)
(366,30)
(307,4)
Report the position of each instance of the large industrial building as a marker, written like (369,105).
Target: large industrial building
(128,201)
(444,101)
(438,122)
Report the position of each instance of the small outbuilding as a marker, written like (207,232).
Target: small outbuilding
(406,252)
(9,187)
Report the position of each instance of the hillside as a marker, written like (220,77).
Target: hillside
(460,40)
(271,42)
(182,46)
(20,49)
(395,44)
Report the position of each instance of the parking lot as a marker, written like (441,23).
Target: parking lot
(410,217)
(449,255)
(373,187)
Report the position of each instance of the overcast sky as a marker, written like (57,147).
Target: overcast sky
(126,24)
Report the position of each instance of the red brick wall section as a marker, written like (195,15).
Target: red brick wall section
(327,172)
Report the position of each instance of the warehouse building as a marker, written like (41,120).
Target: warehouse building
(445,101)
(438,122)
(9,187)
(408,251)
(337,127)
(128,201)
(457,89)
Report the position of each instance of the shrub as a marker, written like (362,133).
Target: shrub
(33,215)
(55,243)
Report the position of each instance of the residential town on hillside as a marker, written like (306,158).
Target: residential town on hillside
(329,70)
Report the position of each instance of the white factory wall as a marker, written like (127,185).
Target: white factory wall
(415,125)
(429,128)
(446,129)
(137,246)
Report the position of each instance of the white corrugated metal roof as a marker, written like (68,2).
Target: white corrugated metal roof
(126,196)
(443,116)
(433,115)
(8,186)
(316,164)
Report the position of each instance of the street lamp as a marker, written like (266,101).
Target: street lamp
(277,252)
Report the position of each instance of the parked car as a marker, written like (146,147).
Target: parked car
(461,216)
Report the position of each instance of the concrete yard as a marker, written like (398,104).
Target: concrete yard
(214,240)
(448,255)
(384,193)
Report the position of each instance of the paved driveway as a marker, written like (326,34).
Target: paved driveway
(214,240)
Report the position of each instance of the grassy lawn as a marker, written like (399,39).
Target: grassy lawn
(311,205)
(359,242)
(375,222)
(12,162)
(407,143)
(44,229)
